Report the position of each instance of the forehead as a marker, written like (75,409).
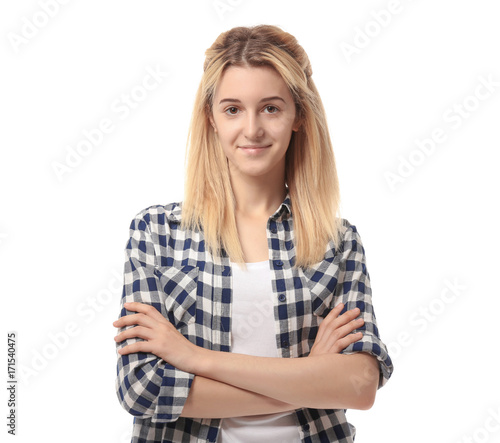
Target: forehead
(240,82)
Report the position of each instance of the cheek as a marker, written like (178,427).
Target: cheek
(280,129)
(227,132)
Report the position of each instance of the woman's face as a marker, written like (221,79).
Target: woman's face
(254,115)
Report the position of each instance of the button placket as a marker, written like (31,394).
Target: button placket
(276,235)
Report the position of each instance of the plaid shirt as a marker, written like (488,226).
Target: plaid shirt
(170,269)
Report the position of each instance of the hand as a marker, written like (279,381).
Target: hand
(334,333)
(161,337)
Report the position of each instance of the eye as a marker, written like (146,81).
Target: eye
(230,110)
(274,109)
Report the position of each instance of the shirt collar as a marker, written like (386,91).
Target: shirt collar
(175,213)
(284,211)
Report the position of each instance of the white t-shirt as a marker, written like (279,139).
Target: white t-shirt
(253,333)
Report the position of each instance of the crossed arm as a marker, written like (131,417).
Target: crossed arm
(229,385)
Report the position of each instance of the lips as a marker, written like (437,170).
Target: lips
(251,147)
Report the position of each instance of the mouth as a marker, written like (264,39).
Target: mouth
(254,148)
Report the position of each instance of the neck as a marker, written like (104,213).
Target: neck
(257,196)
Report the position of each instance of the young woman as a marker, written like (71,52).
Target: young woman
(246,310)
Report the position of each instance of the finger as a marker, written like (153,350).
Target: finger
(140,346)
(343,343)
(332,336)
(335,312)
(327,329)
(135,319)
(137,332)
(144,308)
(332,315)
(349,327)
(346,317)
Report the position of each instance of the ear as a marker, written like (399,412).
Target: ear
(296,125)
(212,123)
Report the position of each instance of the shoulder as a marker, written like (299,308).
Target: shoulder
(157,215)
(346,240)
(349,238)
(346,228)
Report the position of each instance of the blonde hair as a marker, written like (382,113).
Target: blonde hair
(310,171)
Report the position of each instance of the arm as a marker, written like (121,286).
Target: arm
(144,381)
(146,385)
(322,380)
(355,387)
(354,290)
(212,399)
(327,381)
(318,381)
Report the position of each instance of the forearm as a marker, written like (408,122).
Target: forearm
(321,381)
(329,381)
(213,399)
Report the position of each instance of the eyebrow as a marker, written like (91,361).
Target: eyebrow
(265,99)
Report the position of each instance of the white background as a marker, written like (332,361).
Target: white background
(383,87)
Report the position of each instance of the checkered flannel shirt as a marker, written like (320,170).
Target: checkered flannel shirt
(170,269)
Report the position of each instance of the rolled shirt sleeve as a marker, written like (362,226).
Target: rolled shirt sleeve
(146,385)
(354,290)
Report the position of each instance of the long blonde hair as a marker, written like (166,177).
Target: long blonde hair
(310,171)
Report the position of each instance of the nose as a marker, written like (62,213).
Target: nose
(253,127)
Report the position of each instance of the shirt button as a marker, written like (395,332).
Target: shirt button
(278,263)
(284,343)
(274,230)
(282,297)
(306,427)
